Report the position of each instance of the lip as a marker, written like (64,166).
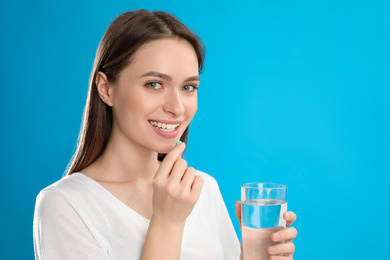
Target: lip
(172,134)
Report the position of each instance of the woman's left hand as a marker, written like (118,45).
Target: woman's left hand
(287,248)
(283,251)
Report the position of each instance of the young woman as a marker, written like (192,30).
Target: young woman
(127,193)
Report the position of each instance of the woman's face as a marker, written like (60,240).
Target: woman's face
(155,97)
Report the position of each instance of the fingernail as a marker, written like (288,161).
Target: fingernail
(288,215)
(178,142)
(272,249)
(276,237)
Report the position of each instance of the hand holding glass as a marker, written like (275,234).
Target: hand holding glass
(263,206)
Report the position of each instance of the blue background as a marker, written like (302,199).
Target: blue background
(293,92)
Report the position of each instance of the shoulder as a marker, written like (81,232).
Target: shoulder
(64,182)
(57,193)
(207,177)
(210,185)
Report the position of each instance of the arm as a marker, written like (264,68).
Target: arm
(176,190)
(163,241)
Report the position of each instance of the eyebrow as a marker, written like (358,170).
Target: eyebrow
(167,77)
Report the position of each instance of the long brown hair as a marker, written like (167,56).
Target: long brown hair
(125,35)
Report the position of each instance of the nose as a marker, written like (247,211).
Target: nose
(173,103)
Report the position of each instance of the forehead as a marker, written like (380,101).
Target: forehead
(169,56)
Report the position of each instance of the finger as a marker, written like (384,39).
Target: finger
(237,208)
(169,160)
(197,187)
(285,234)
(188,177)
(177,171)
(290,217)
(287,249)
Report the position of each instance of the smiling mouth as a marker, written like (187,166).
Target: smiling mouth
(163,126)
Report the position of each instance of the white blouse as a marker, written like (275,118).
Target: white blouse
(77,218)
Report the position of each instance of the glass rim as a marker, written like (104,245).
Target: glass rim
(246,185)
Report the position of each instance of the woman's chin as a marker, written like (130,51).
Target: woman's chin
(165,148)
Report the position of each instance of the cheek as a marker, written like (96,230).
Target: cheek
(192,107)
(135,105)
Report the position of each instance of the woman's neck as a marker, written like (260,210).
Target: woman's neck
(122,162)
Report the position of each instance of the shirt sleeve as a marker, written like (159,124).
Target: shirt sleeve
(59,232)
(231,245)
(228,234)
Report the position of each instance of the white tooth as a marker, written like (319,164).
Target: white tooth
(166,130)
(163,126)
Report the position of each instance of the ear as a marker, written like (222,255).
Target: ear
(104,88)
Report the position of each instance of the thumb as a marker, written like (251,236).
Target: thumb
(237,208)
(238,211)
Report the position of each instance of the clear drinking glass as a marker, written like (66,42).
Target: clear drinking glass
(262,209)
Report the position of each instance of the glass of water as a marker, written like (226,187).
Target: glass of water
(262,209)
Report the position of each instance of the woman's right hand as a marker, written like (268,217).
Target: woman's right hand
(176,188)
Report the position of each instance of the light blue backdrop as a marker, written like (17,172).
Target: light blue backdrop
(293,92)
